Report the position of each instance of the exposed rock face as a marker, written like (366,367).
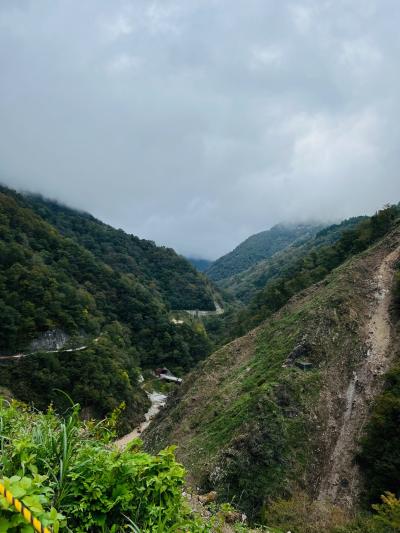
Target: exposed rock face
(300,350)
(248,422)
(53,339)
(341,483)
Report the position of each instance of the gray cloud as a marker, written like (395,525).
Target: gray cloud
(195,123)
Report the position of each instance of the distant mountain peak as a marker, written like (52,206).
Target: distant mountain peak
(260,246)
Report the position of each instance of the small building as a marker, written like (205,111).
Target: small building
(169,377)
(166,375)
(176,321)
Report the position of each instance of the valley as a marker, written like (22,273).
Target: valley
(266,380)
(199,266)
(252,426)
(89,281)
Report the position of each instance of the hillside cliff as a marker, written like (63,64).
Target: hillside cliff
(283,408)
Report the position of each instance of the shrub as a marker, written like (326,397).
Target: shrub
(303,515)
(379,457)
(388,513)
(33,493)
(72,466)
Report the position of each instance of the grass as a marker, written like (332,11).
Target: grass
(74,479)
(246,426)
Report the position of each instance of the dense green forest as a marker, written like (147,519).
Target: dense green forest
(50,281)
(259,247)
(179,284)
(312,268)
(379,457)
(246,284)
(100,378)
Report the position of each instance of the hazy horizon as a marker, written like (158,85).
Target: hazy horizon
(195,124)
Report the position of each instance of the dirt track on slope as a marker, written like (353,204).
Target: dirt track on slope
(157,402)
(341,484)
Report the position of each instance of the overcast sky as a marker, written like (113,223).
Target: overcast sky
(196,123)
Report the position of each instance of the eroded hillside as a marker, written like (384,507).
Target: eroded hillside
(341,481)
(271,413)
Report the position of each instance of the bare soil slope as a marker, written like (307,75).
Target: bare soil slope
(342,481)
(249,423)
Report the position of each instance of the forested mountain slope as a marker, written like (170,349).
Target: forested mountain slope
(332,248)
(259,247)
(296,267)
(179,284)
(246,284)
(265,416)
(50,282)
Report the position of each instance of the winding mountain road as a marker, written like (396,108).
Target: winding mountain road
(60,350)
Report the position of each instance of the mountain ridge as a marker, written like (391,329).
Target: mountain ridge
(50,282)
(257,247)
(244,285)
(182,287)
(262,430)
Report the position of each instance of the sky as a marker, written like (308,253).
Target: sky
(196,123)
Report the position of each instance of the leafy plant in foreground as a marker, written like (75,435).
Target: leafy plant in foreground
(36,496)
(73,467)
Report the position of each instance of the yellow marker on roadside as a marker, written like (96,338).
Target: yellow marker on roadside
(23,509)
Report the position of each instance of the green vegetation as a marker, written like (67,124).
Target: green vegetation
(258,247)
(249,423)
(177,282)
(49,281)
(312,268)
(256,428)
(73,479)
(302,514)
(244,424)
(100,378)
(246,284)
(264,440)
(388,513)
(52,282)
(380,453)
(267,286)
(379,457)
